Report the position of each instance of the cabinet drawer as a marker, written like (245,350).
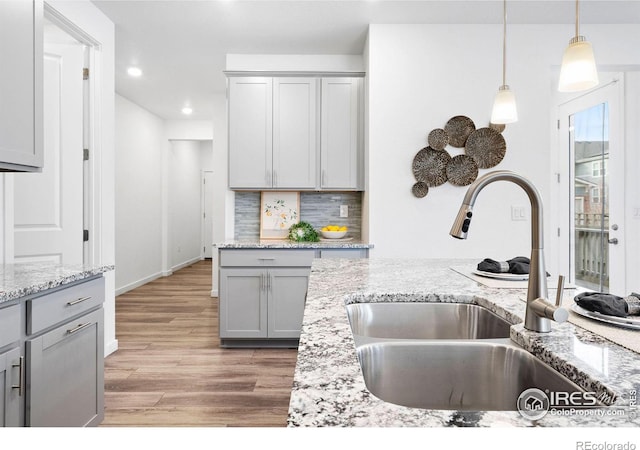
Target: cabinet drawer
(9,325)
(48,310)
(343,253)
(267,258)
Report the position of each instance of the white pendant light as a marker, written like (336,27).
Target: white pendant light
(578,71)
(504,105)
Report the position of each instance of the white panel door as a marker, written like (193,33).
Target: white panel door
(48,205)
(207,213)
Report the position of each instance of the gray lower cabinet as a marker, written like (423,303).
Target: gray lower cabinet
(52,357)
(11,387)
(66,374)
(262,293)
(257,303)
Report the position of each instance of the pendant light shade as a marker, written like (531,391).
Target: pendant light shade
(578,71)
(504,105)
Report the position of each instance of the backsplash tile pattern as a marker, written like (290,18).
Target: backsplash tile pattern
(317,208)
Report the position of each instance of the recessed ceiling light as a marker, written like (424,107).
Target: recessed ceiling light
(187,110)
(134,71)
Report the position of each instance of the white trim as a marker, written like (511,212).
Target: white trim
(214,292)
(186,263)
(138,283)
(110,347)
(203,233)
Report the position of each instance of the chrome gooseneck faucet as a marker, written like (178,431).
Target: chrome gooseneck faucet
(539,312)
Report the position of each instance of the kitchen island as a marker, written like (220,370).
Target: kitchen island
(329,389)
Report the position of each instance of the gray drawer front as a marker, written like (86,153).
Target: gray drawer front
(9,325)
(267,258)
(48,310)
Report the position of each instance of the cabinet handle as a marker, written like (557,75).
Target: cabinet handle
(261,282)
(268,282)
(79,327)
(80,300)
(20,386)
(266,259)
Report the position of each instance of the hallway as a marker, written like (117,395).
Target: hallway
(170,371)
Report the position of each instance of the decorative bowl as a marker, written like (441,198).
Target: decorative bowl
(333,234)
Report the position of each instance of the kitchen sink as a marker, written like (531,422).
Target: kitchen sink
(415,320)
(455,375)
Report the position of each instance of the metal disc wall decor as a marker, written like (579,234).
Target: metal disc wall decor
(430,166)
(462,170)
(487,147)
(459,128)
(420,189)
(438,139)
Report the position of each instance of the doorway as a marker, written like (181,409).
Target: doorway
(207,213)
(591,166)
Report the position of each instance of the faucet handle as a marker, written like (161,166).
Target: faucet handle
(560,290)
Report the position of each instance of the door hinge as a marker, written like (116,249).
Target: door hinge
(85,73)
(204,215)
(558,177)
(85,154)
(558,124)
(204,249)
(85,235)
(558,231)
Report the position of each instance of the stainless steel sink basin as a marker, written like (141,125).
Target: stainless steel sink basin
(455,375)
(425,321)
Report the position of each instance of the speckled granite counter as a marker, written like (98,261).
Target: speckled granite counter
(19,280)
(329,389)
(279,244)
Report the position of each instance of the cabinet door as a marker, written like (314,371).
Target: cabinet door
(65,374)
(339,149)
(243,303)
(250,132)
(287,296)
(294,132)
(21,85)
(11,387)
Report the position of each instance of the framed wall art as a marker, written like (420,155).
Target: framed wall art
(278,211)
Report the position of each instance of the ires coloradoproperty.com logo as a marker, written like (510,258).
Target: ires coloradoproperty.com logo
(534,404)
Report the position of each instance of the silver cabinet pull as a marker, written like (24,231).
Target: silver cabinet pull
(268,282)
(266,259)
(19,386)
(80,300)
(79,327)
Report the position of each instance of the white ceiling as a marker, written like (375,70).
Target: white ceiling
(181,44)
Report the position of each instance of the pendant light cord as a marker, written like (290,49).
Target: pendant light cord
(577,19)
(504,43)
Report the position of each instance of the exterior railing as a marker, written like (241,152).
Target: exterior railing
(592,255)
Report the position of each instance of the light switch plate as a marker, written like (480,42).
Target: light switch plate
(344,210)
(518,213)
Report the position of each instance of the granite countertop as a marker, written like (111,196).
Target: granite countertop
(21,279)
(329,389)
(280,244)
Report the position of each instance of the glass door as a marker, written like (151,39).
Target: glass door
(591,190)
(589,140)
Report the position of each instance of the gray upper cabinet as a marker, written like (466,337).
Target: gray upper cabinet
(21,53)
(340,156)
(250,132)
(294,133)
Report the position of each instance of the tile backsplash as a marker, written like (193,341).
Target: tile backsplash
(317,208)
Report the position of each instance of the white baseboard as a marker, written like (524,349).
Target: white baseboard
(186,263)
(135,284)
(214,292)
(110,347)
(167,273)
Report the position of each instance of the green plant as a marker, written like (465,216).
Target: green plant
(303,232)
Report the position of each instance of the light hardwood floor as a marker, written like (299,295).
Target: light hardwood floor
(169,369)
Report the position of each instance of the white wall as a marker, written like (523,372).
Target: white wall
(138,175)
(185,203)
(447,70)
